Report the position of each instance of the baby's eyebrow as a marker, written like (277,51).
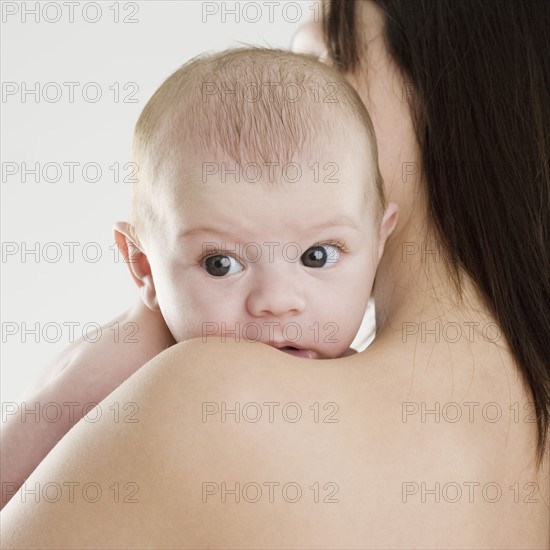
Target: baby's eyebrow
(191,232)
(340,221)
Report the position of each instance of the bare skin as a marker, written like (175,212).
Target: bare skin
(371,457)
(84,374)
(80,377)
(383,457)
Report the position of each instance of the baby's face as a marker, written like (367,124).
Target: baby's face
(288,264)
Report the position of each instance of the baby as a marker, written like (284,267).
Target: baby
(258,214)
(259,211)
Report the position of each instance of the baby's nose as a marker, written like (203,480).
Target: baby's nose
(277,296)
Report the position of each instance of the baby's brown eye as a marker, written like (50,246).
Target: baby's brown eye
(219,265)
(320,255)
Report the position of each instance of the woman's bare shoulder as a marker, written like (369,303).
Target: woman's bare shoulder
(370,450)
(243,446)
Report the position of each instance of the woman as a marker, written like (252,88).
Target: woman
(436,435)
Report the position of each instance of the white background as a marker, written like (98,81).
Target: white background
(108,55)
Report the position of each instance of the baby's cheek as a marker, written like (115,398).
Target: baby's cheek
(182,322)
(350,321)
(179,307)
(353,298)
(330,324)
(198,313)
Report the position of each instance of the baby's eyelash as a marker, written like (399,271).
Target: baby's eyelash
(341,245)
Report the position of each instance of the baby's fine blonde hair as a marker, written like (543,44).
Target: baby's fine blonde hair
(251,105)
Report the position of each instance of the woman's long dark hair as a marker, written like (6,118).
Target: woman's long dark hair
(480,71)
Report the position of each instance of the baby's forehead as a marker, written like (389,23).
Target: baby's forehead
(329,173)
(342,168)
(303,191)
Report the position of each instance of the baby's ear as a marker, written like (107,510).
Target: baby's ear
(388,225)
(138,264)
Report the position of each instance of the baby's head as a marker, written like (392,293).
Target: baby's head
(259,211)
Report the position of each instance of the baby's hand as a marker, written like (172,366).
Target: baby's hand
(349,351)
(81,376)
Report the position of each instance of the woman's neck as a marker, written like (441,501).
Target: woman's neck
(416,296)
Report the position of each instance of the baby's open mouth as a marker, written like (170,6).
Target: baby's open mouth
(297,352)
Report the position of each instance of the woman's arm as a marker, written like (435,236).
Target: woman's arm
(170,479)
